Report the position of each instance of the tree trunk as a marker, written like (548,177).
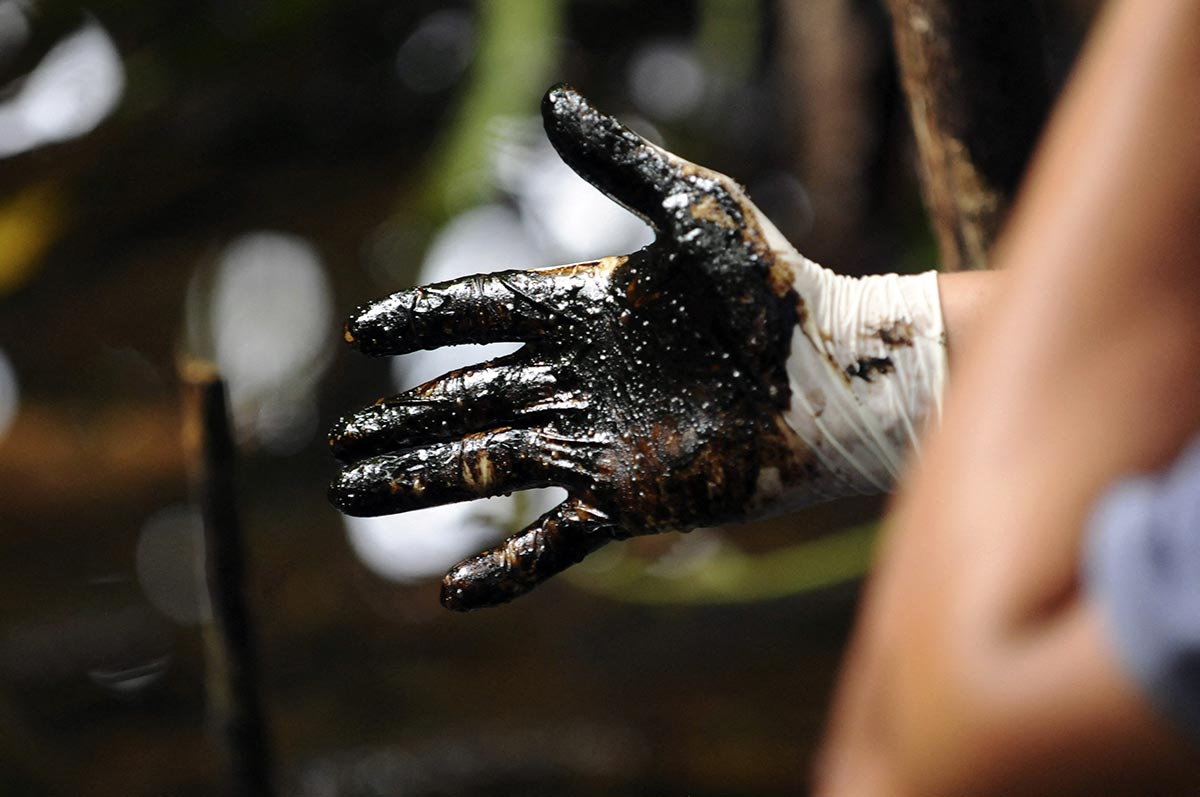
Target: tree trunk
(831,56)
(975,78)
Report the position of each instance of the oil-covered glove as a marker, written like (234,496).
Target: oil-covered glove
(712,376)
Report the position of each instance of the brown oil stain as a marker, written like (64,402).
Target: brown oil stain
(867,368)
(897,334)
(708,209)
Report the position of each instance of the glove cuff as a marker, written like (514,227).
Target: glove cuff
(867,368)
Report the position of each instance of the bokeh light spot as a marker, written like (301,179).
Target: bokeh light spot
(415,546)
(666,80)
(14,28)
(74,87)
(270,316)
(10,398)
(434,57)
(169,557)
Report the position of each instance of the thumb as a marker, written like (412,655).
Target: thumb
(674,195)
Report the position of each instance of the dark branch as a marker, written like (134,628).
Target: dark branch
(231,660)
(975,78)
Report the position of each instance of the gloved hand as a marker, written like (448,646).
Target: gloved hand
(712,376)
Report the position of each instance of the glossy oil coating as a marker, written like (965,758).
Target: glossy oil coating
(651,385)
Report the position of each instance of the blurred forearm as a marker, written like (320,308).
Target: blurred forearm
(965,295)
(977,666)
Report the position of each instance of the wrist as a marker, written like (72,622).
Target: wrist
(866,368)
(964,295)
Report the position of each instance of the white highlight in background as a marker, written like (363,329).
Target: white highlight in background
(74,87)
(10,397)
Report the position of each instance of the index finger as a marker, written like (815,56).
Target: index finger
(504,306)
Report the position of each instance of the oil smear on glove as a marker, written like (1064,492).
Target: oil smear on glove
(866,369)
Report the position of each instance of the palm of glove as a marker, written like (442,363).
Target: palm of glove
(650,387)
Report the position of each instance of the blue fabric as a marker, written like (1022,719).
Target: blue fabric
(1142,566)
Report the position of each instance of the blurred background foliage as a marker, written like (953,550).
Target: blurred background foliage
(227,179)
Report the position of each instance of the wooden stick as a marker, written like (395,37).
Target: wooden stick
(231,680)
(975,78)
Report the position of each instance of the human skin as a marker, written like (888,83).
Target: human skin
(979,666)
(964,296)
